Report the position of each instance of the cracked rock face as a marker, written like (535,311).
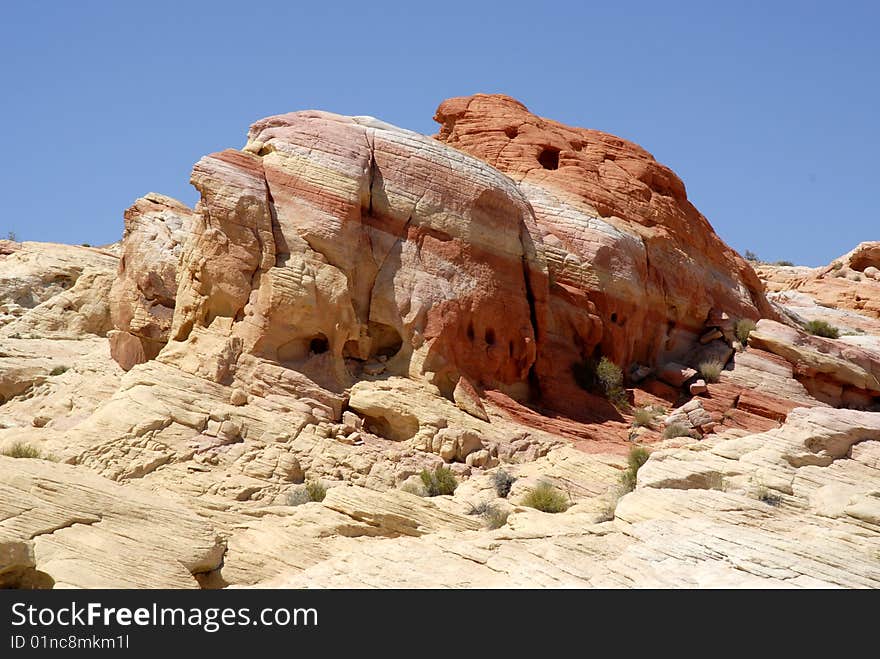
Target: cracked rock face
(61,525)
(338,246)
(635,268)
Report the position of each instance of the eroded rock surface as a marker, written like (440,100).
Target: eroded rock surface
(350,305)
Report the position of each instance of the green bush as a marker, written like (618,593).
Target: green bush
(821,328)
(609,375)
(711,370)
(439,482)
(86,245)
(837,265)
(744,327)
(676,430)
(316,490)
(751,256)
(11,236)
(636,458)
(610,379)
(645,417)
(495,517)
(604,378)
(311,491)
(502,482)
(21,450)
(59,370)
(784,263)
(546,498)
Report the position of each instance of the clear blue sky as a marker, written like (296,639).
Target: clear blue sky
(767,110)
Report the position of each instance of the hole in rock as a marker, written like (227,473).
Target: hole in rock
(490,336)
(510,349)
(511,132)
(302,348)
(386,341)
(549,158)
(319,345)
(470,331)
(614,317)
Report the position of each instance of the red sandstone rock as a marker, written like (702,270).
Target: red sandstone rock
(344,247)
(635,269)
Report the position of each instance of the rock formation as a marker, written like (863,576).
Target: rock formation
(143,295)
(636,270)
(354,305)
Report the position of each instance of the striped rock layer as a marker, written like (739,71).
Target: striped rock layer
(344,248)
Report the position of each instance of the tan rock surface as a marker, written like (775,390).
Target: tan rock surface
(71,528)
(144,293)
(54,291)
(351,303)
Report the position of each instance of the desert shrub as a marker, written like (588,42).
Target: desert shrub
(495,517)
(840,273)
(604,378)
(316,490)
(711,370)
(11,236)
(480,508)
(610,379)
(59,370)
(297,497)
(821,328)
(784,263)
(837,265)
(751,256)
(86,245)
(634,461)
(744,327)
(676,430)
(21,450)
(546,498)
(645,417)
(765,495)
(857,278)
(502,481)
(609,375)
(311,491)
(439,482)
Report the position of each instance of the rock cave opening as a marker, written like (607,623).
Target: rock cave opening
(303,348)
(549,158)
(318,345)
(385,340)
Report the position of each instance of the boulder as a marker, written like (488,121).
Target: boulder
(143,296)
